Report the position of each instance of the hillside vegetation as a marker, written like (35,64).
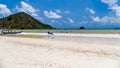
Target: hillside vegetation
(22,20)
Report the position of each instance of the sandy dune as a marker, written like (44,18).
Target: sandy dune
(16,52)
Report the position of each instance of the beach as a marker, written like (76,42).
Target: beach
(63,51)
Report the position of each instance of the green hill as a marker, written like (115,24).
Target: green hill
(22,20)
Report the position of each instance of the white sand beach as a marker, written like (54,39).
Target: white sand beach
(60,52)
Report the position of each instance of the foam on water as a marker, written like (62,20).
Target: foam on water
(78,34)
(92,35)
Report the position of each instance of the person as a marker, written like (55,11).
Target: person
(51,35)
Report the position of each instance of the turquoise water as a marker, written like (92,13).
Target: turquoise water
(109,31)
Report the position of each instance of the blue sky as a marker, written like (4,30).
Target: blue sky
(67,13)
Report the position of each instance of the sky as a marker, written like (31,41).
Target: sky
(67,13)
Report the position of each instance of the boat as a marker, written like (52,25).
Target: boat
(9,32)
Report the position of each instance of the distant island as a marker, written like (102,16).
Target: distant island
(82,27)
(22,20)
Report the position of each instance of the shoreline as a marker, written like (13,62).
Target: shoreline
(107,39)
(94,35)
(72,31)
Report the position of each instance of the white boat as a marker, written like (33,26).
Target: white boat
(6,31)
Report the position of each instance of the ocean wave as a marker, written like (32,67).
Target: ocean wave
(79,34)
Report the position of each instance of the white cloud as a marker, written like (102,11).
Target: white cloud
(96,19)
(90,10)
(109,2)
(4,10)
(58,11)
(70,20)
(106,19)
(53,21)
(113,6)
(116,8)
(27,8)
(67,11)
(115,18)
(51,14)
